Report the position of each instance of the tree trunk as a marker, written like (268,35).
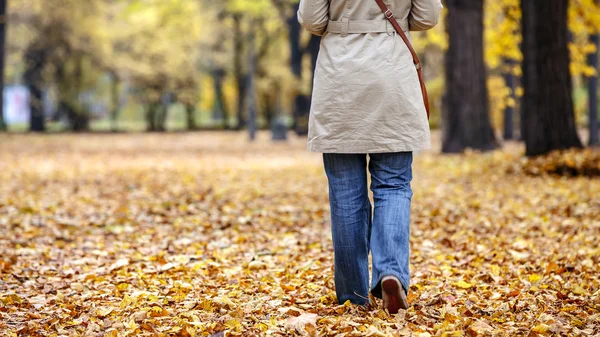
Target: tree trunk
(251,99)
(69,85)
(294,30)
(190,112)
(242,81)
(151,113)
(276,123)
(303,102)
(2,50)
(466,121)
(549,119)
(78,120)
(593,92)
(220,108)
(241,78)
(161,117)
(268,101)
(115,103)
(509,111)
(300,111)
(35,60)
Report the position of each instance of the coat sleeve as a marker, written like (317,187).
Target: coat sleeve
(313,15)
(424,14)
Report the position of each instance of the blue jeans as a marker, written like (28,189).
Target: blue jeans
(357,229)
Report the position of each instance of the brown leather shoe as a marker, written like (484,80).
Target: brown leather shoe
(394,297)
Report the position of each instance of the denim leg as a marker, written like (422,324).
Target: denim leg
(350,224)
(391,175)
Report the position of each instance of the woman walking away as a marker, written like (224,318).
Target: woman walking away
(367,101)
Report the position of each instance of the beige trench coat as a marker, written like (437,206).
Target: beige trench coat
(366,93)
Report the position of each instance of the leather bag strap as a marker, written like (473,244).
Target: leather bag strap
(390,16)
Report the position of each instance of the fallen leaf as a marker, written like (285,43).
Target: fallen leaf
(462,284)
(299,322)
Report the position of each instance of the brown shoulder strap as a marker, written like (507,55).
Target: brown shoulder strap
(390,16)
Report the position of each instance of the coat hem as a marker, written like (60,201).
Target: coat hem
(355,147)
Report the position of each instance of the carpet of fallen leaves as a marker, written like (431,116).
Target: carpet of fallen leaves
(205,235)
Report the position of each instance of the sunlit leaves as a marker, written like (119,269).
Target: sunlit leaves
(584,20)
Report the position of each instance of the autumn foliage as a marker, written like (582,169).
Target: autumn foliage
(203,234)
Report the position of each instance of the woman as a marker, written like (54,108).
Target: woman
(367,102)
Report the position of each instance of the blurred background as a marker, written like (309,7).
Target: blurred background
(173,65)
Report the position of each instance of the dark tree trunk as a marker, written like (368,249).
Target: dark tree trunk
(78,120)
(301,102)
(35,60)
(251,99)
(509,112)
(69,87)
(115,103)
(2,40)
(242,81)
(241,78)
(549,119)
(161,117)
(151,113)
(268,102)
(190,112)
(220,108)
(79,116)
(301,109)
(593,93)
(278,127)
(294,30)
(466,121)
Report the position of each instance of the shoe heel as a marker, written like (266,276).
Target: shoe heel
(396,298)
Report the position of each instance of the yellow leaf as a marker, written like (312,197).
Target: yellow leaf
(540,328)
(132,325)
(11,299)
(578,290)
(103,312)
(234,324)
(534,278)
(261,326)
(462,284)
(126,301)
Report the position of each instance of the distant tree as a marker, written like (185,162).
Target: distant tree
(241,76)
(220,111)
(593,90)
(466,121)
(302,101)
(2,52)
(251,85)
(509,111)
(115,101)
(158,45)
(36,58)
(59,48)
(548,115)
(187,94)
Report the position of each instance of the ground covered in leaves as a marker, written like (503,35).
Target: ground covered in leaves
(204,235)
